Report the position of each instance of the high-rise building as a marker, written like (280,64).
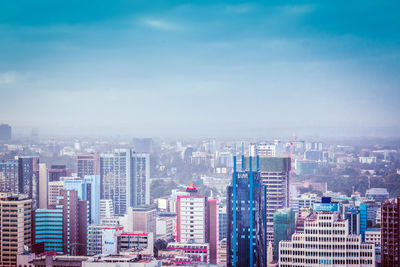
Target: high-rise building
(43,186)
(75,222)
(95,239)
(246,216)
(48,228)
(139,191)
(275,177)
(125,178)
(57,171)
(352,215)
(88,164)
(326,241)
(28,178)
(15,227)
(115,172)
(222,225)
(284,227)
(5,132)
(9,175)
(390,232)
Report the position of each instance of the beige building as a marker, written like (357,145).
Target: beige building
(54,191)
(15,227)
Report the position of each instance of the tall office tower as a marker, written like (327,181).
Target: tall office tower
(15,227)
(326,241)
(139,191)
(106,208)
(88,189)
(9,175)
(142,219)
(57,171)
(28,178)
(48,228)
(390,232)
(43,186)
(125,178)
(115,170)
(5,132)
(275,176)
(88,164)
(284,227)
(75,222)
(246,216)
(377,194)
(54,188)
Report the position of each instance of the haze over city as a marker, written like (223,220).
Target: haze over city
(195,69)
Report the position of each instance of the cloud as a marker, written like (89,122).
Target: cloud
(160,24)
(9,77)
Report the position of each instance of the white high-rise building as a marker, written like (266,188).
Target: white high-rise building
(54,188)
(326,241)
(125,178)
(106,208)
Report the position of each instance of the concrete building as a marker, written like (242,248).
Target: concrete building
(136,241)
(142,219)
(121,260)
(390,232)
(222,252)
(95,239)
(284,227)
(304,201)
(326,241)
(184,253)
(88,164)
(15,227)
(165,227)
(54,189)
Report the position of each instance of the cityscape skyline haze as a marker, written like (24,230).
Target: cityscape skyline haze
(214,68)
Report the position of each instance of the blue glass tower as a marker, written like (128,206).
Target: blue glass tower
(49,229)
(245,208)
(363,220)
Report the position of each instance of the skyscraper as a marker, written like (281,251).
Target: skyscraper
(246,218)
(57,171)
(43,186)
(28,178)
(115,170)
(390,233)
(48,228)
(284,227)
(125,179)
(88,164)
(15,227)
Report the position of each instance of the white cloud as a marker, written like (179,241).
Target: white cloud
(160,24)
(9,77)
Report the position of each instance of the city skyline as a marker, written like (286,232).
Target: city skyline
(200,69)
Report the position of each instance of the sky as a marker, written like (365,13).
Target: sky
(200,68)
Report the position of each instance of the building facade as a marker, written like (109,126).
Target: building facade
(390,232)
(326,241)
(15,227)
(88,164)
(48,228)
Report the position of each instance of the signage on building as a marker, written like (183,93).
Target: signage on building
(109,241)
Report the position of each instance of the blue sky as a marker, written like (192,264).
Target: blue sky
(200,68)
